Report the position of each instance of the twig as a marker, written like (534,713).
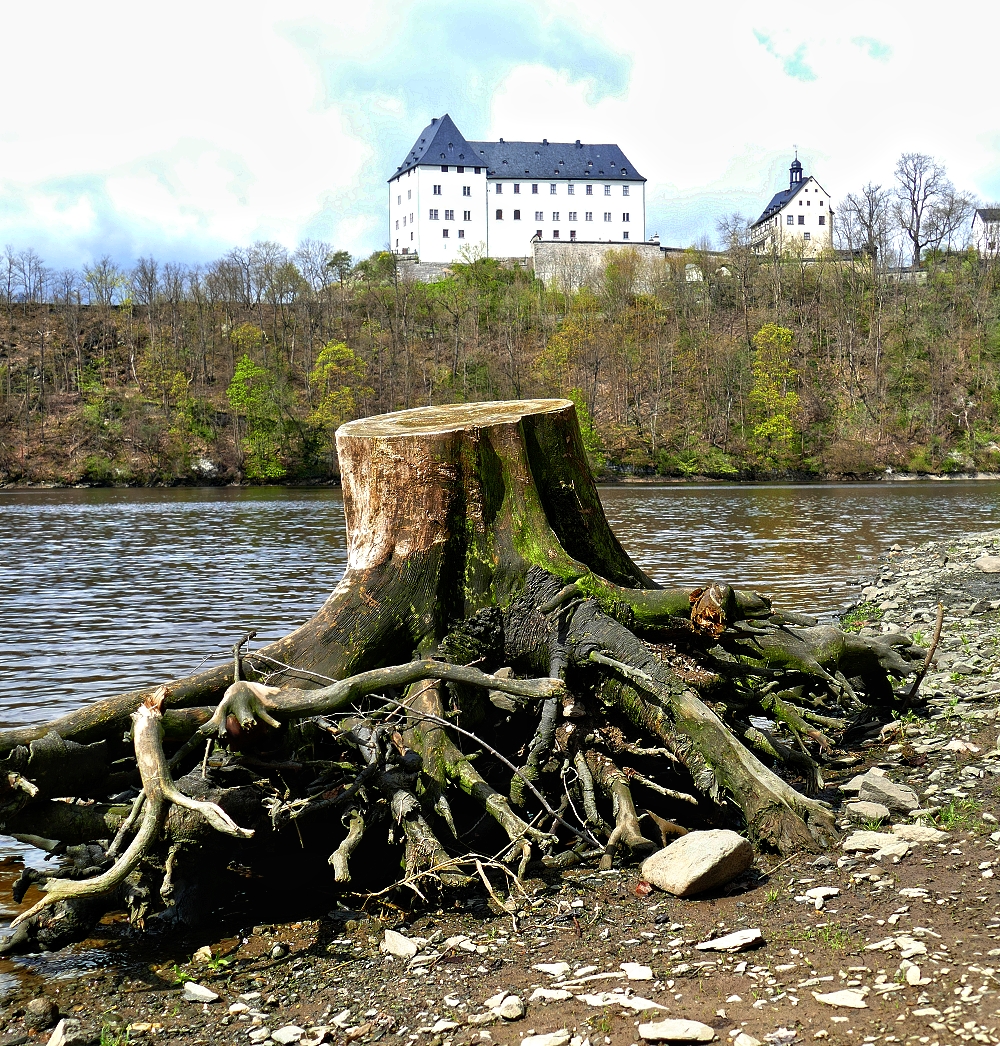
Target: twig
(912,693)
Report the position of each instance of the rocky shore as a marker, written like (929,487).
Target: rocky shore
(891,939)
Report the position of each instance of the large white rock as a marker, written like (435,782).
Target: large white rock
(396,944)
(194,992)
(849,997)
(918,833)
(674,1030)
(899,798)
(698,861)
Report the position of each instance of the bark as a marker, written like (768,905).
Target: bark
(487,613)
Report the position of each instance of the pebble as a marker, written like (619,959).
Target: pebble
(550,995)
(195,992)
(675,1030)
(553,969)
(635,971)
(40,1013)
(552,1038)
(290,1033)
(396,944)
(732,942)
(511,1009)
(849,997)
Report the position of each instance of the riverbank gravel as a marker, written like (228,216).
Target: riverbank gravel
(892,938)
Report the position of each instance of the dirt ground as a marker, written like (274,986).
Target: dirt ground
(938,905)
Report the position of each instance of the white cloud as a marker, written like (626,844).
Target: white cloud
(194,127)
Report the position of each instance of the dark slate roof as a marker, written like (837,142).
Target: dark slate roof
(439,142)
(547,159)
(989,214)
(777,202)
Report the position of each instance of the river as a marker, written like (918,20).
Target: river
(102,590)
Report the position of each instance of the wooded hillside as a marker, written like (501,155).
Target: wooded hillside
(244,368)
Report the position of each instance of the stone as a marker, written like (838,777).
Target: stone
(635,971)
(553,969)
(989,564)
(195,992)
(698,861)
(918,833)
(819,895)
(40,1013)
(396,944)
(913,976)
(867,841)
(676,1030)
(898,798)
(289,1034)
(72,1032)
(732,942)
(441,1026)
(860,812)
(743,1039)
(279,951)
(202,955)
(259,1034)
(849,997)
(552,1038)
(550,995)
(511,1009)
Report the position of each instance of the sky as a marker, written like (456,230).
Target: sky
(181,130)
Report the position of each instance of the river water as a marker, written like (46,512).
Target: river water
(102,590)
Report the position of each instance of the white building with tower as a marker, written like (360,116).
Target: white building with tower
(797,217)
(501,196)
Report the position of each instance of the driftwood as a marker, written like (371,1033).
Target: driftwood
(493,671)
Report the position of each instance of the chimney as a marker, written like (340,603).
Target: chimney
(545,141)
(434,120)
(578,144)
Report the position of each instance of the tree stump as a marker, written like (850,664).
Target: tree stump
(487,608)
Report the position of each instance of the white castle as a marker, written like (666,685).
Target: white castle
(500,196)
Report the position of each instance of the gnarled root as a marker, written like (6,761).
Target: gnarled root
(627,831)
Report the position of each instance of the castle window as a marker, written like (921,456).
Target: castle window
(624,190)
(517,216)
(572,234)
(571,189)
(552,189)
(460,170)
(572,216)
(461,234)
(437,190)
(590,190)
(517,188)
(444,234)
(449,216)
(555,216)
(444,168)
(538,233)
(409,194)
(466,190)
(588,216)
(534,189)
(397,223)
(466,216)
(477,169)
(555,234)
(625,216)
(499,189)
(790,220)
(539,216)
(822,219)
(433,214)
(399,199)
(607,216)
(625,235)
(499,216)
(806,236)
(607,190)
(802,219)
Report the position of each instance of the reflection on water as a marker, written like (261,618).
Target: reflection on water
(108,589)
(798,544)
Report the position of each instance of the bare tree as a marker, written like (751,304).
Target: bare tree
(948,224)
(921,186)
(865,222)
